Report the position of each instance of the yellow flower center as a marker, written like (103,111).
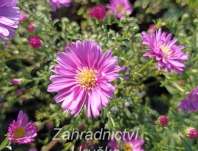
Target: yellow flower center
(127,147)
(87,78)
(19,132)
(165,49)
(120,8)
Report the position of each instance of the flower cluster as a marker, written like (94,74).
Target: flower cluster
(119,8)
(85,78)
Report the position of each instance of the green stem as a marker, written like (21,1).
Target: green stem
(4,144)
(111,119)
(178,87)
(145,66)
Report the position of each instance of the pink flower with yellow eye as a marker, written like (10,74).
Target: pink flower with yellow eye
(165,51)
(120,8)
(83,77)
(22,131)
(128,142)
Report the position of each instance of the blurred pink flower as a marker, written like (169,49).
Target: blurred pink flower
(163,48)
(20,91)
(9,18)
(35,41)
(113,145)
(152,28)
(83,76)
(56,4)
(23,16)
(120,8)
(129,142)
(192,133)
(98,12)
(190,103)
(16,81)
(32,149)
(22,131)
(31,27)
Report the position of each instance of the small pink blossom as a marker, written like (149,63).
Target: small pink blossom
(120,8)
(190,102)
(128,142)
(22,131)
(192,133)
(16,81)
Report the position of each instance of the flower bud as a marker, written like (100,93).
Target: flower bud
(35,41)
(192,133)
(163,120)
(16,81)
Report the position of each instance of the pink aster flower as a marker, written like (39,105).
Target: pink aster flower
(56,4)
(120,8)
(190,103)
(133,145)
(98,12)
(22,131)
(9,18)
(129,142)
(163,48)
(83,76)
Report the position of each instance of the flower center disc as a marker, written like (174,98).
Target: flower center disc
(87,78)
(127,147)
(19,132)
(165,49)
(120,8)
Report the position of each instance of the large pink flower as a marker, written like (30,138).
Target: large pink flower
(83,76)
(22,131)
(165,51)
